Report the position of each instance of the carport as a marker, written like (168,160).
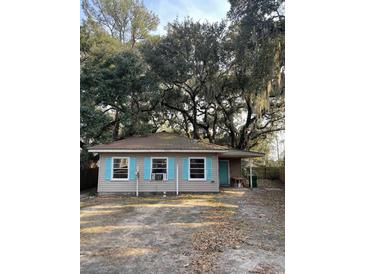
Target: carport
(229,167)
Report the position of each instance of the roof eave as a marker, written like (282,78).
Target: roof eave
(242,154)
(101,150)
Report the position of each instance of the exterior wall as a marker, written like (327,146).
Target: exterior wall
(234,166)
(158,186)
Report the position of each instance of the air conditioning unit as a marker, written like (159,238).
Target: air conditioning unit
(159,176)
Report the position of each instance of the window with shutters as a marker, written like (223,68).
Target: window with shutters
(120,168)
(159,169)
(197,168)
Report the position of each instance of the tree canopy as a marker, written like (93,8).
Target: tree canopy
(127,20)
(222,81)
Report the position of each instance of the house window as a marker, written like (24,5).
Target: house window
(159,169)
(120,168)
(197,169)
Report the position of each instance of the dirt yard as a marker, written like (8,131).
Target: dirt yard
(235,231)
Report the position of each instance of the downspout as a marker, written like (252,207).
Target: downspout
(137,175)
(177,180)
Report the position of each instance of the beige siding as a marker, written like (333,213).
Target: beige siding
(234,166)
(158,186)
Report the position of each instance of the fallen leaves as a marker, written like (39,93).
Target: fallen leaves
(235,230)
(263,269)
(213,240)
(220,233)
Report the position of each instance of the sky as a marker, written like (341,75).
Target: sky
(203,10)
(169,10)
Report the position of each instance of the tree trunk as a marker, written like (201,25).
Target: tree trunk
(233,138)
(244,136)
(116,126)
(133,38)
(195,130)
(195,122)
(214,127)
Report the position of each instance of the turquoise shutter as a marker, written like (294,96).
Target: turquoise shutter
(185,169)
(171,171)
(108,168)
(147,168)
(209,168)
(132,169)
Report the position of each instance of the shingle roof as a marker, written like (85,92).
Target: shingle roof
(159,141)
(235,153)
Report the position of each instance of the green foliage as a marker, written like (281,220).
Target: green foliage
(188,62)
(258,45)
(95,41)
(209,83)
(221,82)
(187,52)
(116,87)
(121,83)
(92,124)
(142,22)
(127,20)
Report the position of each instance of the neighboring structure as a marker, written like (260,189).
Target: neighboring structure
(165,162)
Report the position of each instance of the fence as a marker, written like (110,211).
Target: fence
(282,174)
(272,173)
(88,178)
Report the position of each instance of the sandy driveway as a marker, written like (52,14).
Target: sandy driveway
(235,231)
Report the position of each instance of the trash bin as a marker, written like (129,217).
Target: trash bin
(254,181)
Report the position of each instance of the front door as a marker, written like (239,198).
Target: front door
(223,173)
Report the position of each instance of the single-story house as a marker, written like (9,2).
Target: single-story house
(166,162)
